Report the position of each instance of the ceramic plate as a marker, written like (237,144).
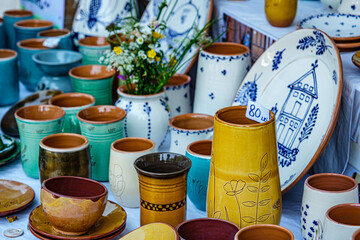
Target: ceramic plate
(14,196)
(8,122)
(300,79)
(12,155)
(8,145)
(340,27)
(112,221)
(356,59)
(153,231)
(180,21)
(348,47)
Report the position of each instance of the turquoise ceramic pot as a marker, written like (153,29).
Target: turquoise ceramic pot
(11,17)
(55,64)
(102,125)
(199,153)
(63,35)
(92,48)
(2,34)
(9,90)
(29,73)
(95,80)
(34,123)
(29,28)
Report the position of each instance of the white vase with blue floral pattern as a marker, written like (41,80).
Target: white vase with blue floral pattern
(221,69)
(349,6)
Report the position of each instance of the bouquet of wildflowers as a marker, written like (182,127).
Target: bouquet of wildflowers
(137,56)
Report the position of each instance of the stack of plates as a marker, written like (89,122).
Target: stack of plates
(344,29)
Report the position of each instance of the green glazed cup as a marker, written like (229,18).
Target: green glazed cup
(29,28)
(95,80)
(92,48)
(72,103)
(34,123)
(102,125)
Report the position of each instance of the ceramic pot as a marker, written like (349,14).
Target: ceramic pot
(72,103)
(272,232)
(331,5)
(11,17)
(280,13)
(34,123)
(62,35)
(153,231)
(147,116)
(29,73)
(92,17)
(55,66)
(72,204)
(29,28)
(177,91)
(349,7)
(95,80)
(244,184)
(322,191)
(221,69)
(123,179)
(102,125)
(341,221)
(92,48)
(162,184)
(64,154)
(199,153)
(356,235)
(188,128)
(2,34)
(9,92)
(207,229)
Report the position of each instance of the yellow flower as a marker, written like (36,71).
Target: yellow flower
(158,59)
(118,50)
(151,53)
(157,35)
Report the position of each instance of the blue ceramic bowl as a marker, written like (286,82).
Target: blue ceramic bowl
(57,62)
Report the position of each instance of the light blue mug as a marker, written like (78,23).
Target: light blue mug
(199,153)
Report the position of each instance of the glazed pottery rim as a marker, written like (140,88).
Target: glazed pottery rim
(15,13)
(105,45)
(206,220)
(40,40)
(164,175)
(246,125)
(132,139)
(122,112)
(157,223)
(15,54)
(37,106)
(215,44)
(337,175)
(82,146)
(97,197)
(356,234)
(191,116)
(53,52)
(269,226)
(355,205)
(73,94)
(66,33)
(122,92)
(107,75)
(48,24)
(192,153)
(180,75)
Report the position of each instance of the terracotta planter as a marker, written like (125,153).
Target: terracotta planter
(272,232)
(280,13)
(244,184)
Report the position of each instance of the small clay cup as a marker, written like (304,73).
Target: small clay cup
(95,80)
(65,41)
(356,235)
(92,48)
(29,28)
(64,154)
(207,229)
(72,204)
(178,93)
(188,128)
(264,231)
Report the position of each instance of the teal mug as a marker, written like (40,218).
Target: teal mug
(29,28)
(9,92)
(62,35)
(199,153)
(102,125)
(92,48)
(2,34)
(34,123)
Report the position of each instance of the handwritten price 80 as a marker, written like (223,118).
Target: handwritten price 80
(256,112)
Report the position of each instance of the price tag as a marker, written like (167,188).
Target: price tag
(256,112)
(51,42)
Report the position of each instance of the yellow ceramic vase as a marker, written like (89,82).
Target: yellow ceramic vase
(244,183)
(280,13)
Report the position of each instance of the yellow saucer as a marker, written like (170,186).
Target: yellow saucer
(152,231)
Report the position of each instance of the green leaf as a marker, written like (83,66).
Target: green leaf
(265,188)
(248,219)
(266,177)
(263,218)
(254,177)
(253,189)
(263,162)
(249,204)
(264,202)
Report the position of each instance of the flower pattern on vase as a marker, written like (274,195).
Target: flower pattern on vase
(118,184)
(314,232)
(147,110)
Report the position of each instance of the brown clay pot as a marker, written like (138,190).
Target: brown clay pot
(264,231)
(54,33)
(33,23)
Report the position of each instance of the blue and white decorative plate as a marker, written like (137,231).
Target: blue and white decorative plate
(300,79)
(180,21)
(340,27)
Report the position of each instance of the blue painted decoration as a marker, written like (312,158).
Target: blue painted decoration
(277,59)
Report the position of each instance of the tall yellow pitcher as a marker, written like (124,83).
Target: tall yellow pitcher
(244,183)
